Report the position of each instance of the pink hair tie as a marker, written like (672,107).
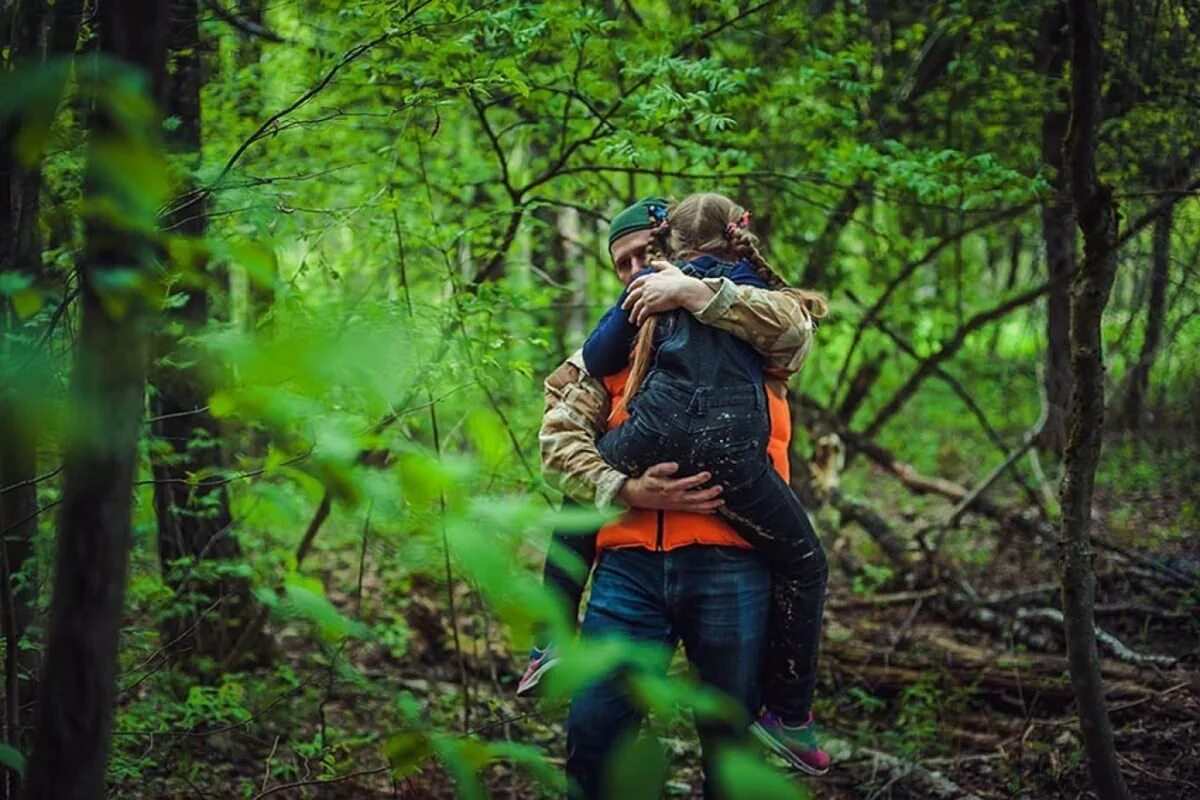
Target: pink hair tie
(742,223)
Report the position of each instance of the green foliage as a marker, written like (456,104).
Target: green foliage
(416,237)
(637,769)
(12,759)
(743,774)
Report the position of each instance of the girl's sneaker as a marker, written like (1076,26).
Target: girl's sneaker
(540,662)
(797,746)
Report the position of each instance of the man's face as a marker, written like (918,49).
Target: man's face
(629,254)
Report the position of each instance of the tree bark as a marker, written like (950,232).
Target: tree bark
(1096,215)
(1058,234)
(1134,411)
(37,30)
(196,543)
(18,444)
(78,681)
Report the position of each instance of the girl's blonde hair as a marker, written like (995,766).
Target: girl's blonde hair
(707,223)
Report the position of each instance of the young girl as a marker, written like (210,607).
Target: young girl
(695,396)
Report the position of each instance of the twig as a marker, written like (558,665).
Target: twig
(261,132)
(935,783)
(29,516)
(462,663)
(29,481)
(244,25)
(267,767)
(1031,436)
(952,345)
(362,560)
(907,271)
(284,787)
(876,600)
(1118,648)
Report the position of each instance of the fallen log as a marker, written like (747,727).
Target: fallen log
(849,657)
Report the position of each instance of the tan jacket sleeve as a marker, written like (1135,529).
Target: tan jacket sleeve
(577,407)
(773,322)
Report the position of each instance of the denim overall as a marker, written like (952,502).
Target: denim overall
(703,405)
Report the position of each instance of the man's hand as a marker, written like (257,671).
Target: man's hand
(666,290)
(656,489)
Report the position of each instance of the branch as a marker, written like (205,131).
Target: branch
(285,787)
(1030,438)
(554,169)
(1119,650)
(481,112)
(244,25)
(906,272)
(29,481)
(510,234)
(349,57)
(890,542)
(952,346)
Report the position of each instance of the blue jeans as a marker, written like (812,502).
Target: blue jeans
(724,430)
(713,599)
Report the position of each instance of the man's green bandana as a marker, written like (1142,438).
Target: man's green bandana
(641,216)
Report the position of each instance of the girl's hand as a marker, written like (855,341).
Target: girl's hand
(666,290)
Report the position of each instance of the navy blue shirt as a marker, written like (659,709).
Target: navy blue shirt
(607,350)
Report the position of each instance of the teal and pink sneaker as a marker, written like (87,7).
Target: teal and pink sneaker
(795,745)
(540,662)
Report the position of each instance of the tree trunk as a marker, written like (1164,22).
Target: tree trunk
(36,29)
(1058,233)
(196,544)
(1139,379)
(1097,218)
(77,686)
(18,444)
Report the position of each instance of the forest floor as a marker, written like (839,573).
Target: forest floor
(920,697)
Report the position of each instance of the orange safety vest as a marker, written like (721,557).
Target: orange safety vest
(666,530)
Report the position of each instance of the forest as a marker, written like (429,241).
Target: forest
(281,282)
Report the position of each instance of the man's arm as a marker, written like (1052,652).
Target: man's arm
(577,407)
(774,322)
(575,417)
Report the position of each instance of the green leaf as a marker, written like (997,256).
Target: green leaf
(27,302)
(743,775)
(637,769)
(305,597)
(406,751)
(13,282)
(12,758)
(257,260)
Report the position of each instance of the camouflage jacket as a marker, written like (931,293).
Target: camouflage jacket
(775,323)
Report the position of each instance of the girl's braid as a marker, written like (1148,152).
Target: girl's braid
(745,245)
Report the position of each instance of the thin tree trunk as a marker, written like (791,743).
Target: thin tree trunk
(1160,275)
(78,682)
(575,269)
(196,542)
(1058,234)
(1097,218)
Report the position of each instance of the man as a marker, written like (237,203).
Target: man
(669,571)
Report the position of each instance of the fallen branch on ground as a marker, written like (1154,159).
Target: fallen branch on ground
(1119,649)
